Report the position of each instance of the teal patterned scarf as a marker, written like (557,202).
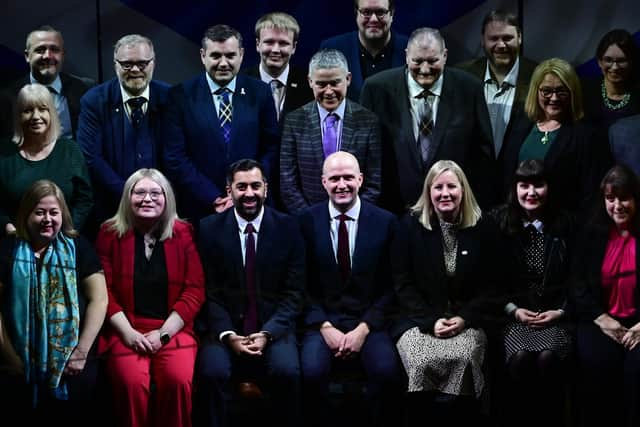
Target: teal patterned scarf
(45,313)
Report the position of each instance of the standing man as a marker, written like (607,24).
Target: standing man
(213,120)
(254,263)
(44,53)
(330,123)
(350,291)
(373,47)
(276,40)
(505,76)
(120,124)
(428,113)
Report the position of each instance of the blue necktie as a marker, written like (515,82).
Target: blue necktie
(225,113)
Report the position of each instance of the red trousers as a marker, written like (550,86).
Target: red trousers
(170,370)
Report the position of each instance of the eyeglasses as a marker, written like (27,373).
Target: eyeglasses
(128,65)
(561,92)
(368,13)
(141,194)
(609,61)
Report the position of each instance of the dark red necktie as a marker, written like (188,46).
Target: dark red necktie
(344,258)
(251,315)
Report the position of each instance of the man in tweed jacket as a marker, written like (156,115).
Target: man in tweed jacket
(306,138)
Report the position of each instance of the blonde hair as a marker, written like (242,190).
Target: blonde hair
(279,21)
(470,212)
(37,191)
(124,220)
(567,75)
(35,95)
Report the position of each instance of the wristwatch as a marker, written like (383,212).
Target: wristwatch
(164,338)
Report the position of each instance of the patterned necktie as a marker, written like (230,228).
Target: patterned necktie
(251,315)
(344,257)
(135,105)
(330,137)
(225,113)
(277,90)
(425,125)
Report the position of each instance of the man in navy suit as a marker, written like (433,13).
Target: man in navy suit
(373,47)
(213,120)
(350,295)
(254,263)
(120,123)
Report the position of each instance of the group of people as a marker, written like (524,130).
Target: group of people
(457,234)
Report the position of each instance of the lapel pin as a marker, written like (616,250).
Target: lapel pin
(242,92)
(294,84)
(464,253)
(117,110)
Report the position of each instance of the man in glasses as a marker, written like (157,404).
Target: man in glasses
(119,126)
(373,47)
(44,52)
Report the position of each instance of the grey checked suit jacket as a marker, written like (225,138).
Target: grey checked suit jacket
(302,156)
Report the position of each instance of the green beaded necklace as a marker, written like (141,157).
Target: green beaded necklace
(618,105)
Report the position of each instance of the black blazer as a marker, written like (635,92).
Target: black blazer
(368,293)
(461,134)
(422,286)
(280,269)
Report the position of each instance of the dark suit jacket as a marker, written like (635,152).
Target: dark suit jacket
(184,272)
(426,293)
(368,293)
(298,90)
(575,163)
(623,141)
(101,137)
(460,134)
(73,87)
(280,270)
(196,156)
(349,45)
(302,155)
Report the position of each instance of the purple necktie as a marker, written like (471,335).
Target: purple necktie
(344,257)
(330,138)
(251,315)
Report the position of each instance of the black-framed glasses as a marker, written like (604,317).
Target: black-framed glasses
(128,65)
(154,194)
(609,61)
(368,13)
(561,92)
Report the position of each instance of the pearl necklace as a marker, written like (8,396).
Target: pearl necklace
(619,104)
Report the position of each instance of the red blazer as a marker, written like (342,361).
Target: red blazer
(183,269)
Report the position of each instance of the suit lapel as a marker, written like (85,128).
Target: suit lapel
(365,223)
(442,117)
(117,110)
(232,246)
(266,239)
(205,108)
(348,125)
(313,131)
(324,245)
(240,108)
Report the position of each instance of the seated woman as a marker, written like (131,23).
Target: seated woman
(39,153)
(536,340)
(444,265)
(54,298)
(607,301)
(574,157)
(156,288)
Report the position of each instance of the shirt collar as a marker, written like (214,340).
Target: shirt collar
(338,111)
(536,223)
(127,96)
(353,213)
(511,78)
(415,89)
(213,86)
(56,84)
(266,77)
(242,223)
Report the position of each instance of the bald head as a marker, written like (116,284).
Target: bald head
(342,179)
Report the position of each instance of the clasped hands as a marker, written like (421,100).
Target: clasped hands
(628,337)
(447,328)
(147,343)
(344,345)
(251,345)
(537,319)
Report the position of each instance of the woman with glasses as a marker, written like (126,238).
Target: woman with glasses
(574,159)
(156,287)
(38,152)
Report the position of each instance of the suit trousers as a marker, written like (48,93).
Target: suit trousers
(170,369)
(278,370)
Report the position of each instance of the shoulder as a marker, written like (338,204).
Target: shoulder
(381,215)
(400,41)
(77,81)
(252,71)
(475,66)
(361,112)
(214,221)
(630,122)
(527,66)
(188,87)
(339,41)
(392,77)
(182,228)
(461,77)
(100,94)
(159,87)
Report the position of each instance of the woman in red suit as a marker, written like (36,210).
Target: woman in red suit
(156,287)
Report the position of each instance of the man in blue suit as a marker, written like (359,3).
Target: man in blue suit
(373,47)
(350,290)
(213,120)
(254,263)
(120,122)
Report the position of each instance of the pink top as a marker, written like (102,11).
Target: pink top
(619,274)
